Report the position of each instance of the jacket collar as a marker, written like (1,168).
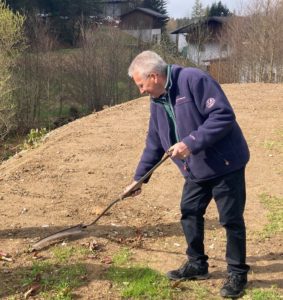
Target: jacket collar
(168,84)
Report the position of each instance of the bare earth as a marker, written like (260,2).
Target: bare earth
(81,167)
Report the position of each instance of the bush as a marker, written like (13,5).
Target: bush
(11,45)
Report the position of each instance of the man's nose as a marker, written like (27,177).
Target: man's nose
(142,91)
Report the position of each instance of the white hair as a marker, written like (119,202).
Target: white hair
(147,62)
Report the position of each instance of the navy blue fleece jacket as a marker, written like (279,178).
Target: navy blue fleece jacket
(205,122)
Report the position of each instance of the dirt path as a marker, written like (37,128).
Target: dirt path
(83,166)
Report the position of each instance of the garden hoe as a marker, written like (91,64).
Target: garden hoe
(79,229)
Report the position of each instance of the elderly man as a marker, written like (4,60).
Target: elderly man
(191,117)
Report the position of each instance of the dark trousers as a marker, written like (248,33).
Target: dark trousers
(229,192)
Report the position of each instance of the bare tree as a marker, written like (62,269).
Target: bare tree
(99,67)
(36,70)
(256,42)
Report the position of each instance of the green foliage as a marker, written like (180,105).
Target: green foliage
(63,254)
(56,281)
(11,31)
(55,7)
(157,5)
(34,137)
(218,9)
(122,257)
(136,281)
(57,276)
(275,215)
(11,45)
(201,292)
(263,294)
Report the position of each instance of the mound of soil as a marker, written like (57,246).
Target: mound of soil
(81,167)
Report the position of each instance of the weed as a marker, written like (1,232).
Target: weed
(275,215)
(136,281)
(34,138)
(122,257)
(200,292)
(263,294)
(63,254)
(56,281)
(140,282)
(57,276)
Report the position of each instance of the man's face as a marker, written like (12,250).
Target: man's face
(153,84)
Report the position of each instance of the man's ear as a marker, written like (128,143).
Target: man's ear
(154,76)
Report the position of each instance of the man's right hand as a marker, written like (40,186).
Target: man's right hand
(135,192)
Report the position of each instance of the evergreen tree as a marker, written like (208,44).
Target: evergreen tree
(197,11)
(157,5)
(56,7)
(218,9)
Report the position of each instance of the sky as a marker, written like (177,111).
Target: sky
(183,8)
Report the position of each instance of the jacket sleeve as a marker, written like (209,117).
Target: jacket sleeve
(216,110)
(152,152)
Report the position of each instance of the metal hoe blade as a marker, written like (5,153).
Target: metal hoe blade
(79,229)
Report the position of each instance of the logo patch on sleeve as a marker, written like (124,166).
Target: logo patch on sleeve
(210,102)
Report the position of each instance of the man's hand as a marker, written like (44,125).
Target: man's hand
(135,192)
(180,150)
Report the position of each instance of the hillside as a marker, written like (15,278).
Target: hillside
(81,167)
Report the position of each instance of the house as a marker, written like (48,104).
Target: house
(143,23)
(203,41)
(113,8)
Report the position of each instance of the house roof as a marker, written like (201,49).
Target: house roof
(196,21)
(147,11)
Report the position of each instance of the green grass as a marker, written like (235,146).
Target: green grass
(200,292)
(137,282)
(122,257)
(63,254)
(140,282)
(56,280)
(57,276)
(275,214)
(263,294)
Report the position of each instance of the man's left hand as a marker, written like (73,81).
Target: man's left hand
(180,150)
